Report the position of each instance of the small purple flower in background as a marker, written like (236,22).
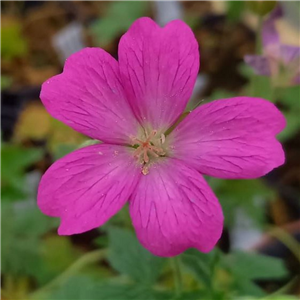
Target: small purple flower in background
(279,61)
(130,105)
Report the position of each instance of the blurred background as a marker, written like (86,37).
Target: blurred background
(258,254)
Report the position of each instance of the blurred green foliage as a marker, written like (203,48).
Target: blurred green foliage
(235,10)
(215,275)
(21,248)
(15,160)
(290,102)
(12,42)
(226,275)
(6,82)
(135,261)
(137,269)
(261,8)
(119,16)
(249,196)
(82,288)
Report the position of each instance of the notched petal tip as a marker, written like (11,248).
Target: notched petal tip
(144,21)
(159,67)
(277,119)
(89,97)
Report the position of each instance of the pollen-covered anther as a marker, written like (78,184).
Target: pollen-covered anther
(149,148)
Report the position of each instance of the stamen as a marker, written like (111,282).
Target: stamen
(138,151)
(149,148)
(150,136)
(154,148)
(137,140)
(154,154)
(146,157)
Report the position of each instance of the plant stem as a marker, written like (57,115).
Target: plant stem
(258,40)
(287,240)
(177,275)
(283,290)
(214,263)
(257,52)
(86,259)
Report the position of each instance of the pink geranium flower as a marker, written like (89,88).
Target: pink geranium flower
(130,105)
(278,61)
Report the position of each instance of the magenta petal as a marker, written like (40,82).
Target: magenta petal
(89,97)
(231,138)
(173,209)
(159,67)
(88,186)
(259,64)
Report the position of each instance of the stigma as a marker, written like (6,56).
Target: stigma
(149,147)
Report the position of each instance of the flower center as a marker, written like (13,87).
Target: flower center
(149,147)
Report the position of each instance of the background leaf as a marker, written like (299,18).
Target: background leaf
(256,266)
(249,196)
(127,256)
(83,288)
(234,10)
(20,241)
(119,17)
(200,264)
(290,100)
(15,160)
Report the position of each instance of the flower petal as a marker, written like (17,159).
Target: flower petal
(88,186)
(230,138)
(159,67)
(290,54)
(259,64)
(173,209)
(89,97)
(270,35)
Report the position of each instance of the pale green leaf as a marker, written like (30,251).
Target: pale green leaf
(256,266)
